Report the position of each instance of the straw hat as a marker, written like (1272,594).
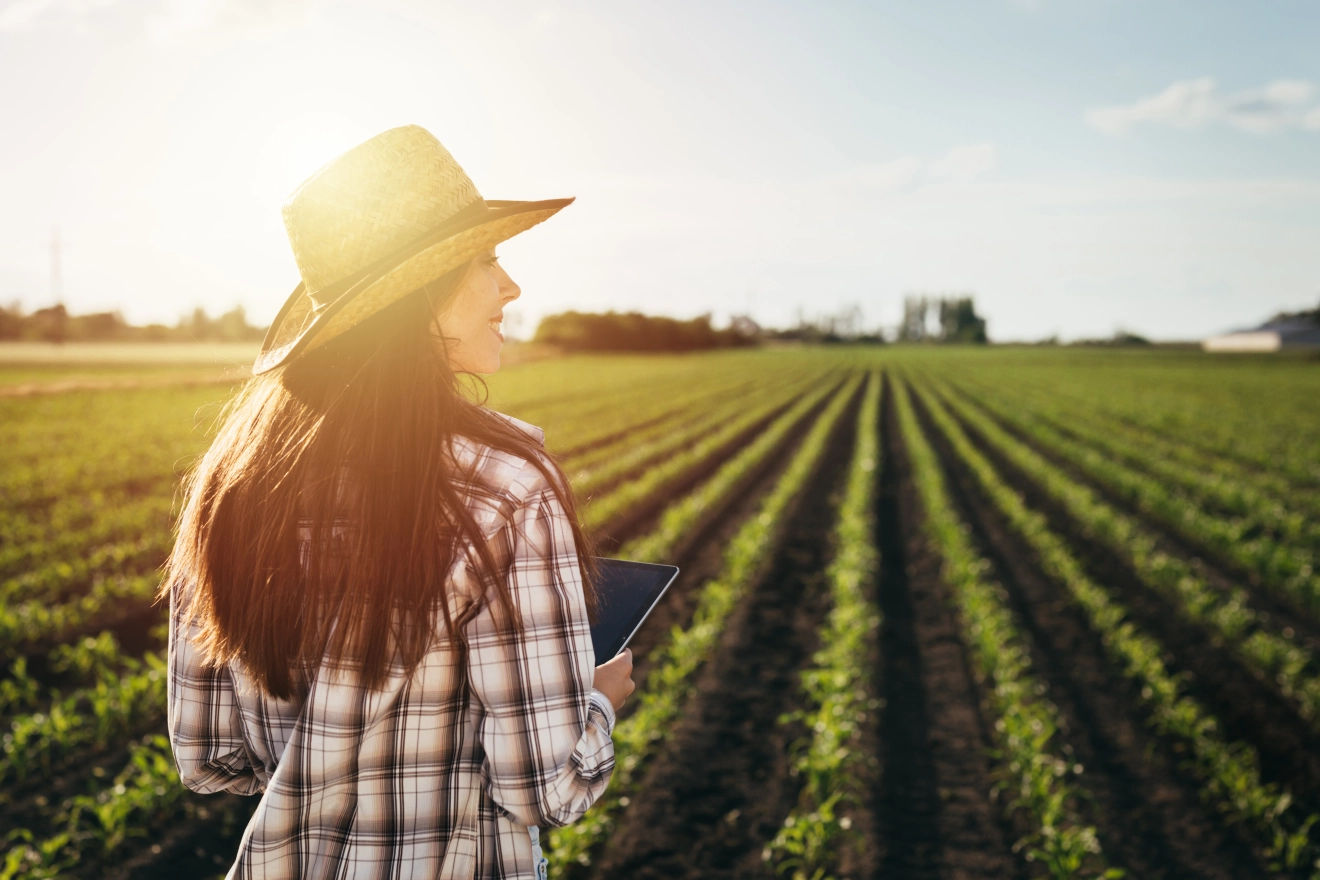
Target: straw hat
(377,223)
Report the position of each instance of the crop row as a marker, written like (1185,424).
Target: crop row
(1262,501)
(603,469)
(97,521)
(1262,417)
(1274,657)
(1290,571)
(737,419)
(574,382)
(64,446)
(57,579)
(25,624)
(128,694)
(616,434)
(138,800)
(830,763)
(1229,771)
(597,425)
(679,520)
(670,681)
(1041,777)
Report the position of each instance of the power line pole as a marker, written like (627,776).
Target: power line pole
(56,283)
(59,315)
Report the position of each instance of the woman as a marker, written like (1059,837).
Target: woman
(380,592)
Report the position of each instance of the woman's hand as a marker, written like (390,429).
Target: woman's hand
(614,679)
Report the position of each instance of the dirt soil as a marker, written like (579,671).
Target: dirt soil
(1249,710)
(937,818)
(1148,814)
(721,787)
(1281,611)
(643,516)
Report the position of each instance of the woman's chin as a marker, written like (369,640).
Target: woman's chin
(468,361)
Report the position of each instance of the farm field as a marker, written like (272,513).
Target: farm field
(974,613)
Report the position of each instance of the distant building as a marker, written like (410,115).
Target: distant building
(1284,332)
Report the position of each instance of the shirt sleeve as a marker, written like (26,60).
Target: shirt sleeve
(205,725)
(545,733)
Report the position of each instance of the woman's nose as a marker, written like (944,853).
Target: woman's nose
(509,289)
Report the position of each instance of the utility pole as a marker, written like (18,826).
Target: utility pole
(59,315)
(56,291)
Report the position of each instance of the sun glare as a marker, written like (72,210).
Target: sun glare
(297,147)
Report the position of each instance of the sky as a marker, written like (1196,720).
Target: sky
(1078,166)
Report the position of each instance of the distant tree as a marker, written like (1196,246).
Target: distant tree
(11,322)
(232,326)
(956,313)
(745,325)
(55,324)
(1124,337)
(913,328)
(633,331)
(98,326)
(959,321)
(844,326)
(49,324)
(1120,339)
(1312,315)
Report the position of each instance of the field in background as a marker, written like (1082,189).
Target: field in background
(974,612)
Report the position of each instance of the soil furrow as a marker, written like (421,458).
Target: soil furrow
(1254,713)
(937,817)
(700,560)
(1219,571)
(907,802)
(720,788)
(1149,816)
(644,515)
(568,453)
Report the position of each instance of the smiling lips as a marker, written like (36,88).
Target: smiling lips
(494,324)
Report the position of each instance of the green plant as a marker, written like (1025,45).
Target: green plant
(1038,774)
(1229,771)
(669,682)
(1273,656)
(829,762)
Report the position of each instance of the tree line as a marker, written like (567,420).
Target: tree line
(633,331)
(926,319)
(55,324)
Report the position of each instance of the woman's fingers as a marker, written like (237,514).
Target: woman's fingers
(614,678)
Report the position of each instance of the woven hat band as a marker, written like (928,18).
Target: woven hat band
(465,218)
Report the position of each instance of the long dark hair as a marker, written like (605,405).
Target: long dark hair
(327,514)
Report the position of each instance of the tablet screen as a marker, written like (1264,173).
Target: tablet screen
(626,593)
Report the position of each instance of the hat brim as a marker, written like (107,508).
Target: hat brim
(301,325)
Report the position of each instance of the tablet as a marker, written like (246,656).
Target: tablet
(626,592)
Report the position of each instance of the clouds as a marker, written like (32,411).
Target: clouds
(1195,103)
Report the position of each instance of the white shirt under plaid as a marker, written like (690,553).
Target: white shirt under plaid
(413,780)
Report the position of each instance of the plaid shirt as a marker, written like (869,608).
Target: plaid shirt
(422,778)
